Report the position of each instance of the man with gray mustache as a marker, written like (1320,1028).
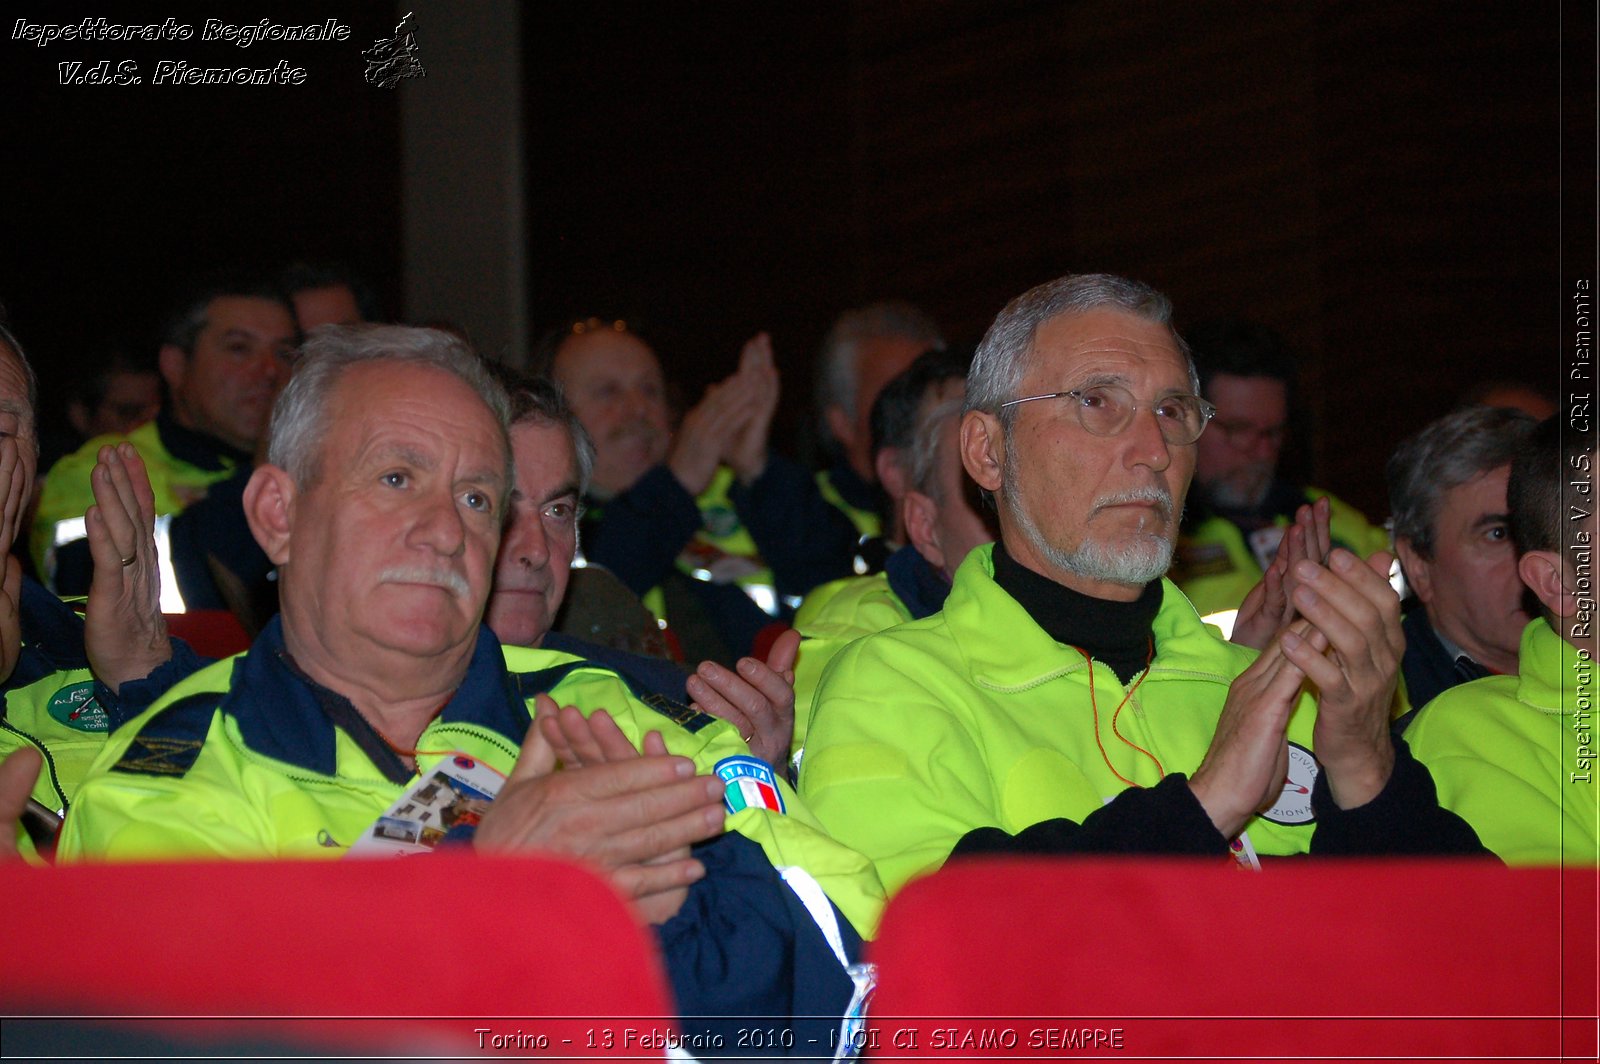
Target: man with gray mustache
(1068,698)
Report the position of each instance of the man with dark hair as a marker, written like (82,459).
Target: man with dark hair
(115,395)
(1515,755)
(1239,509)
(328,294)
(1067,698)
(224,355)
(1447,495)
(554,457)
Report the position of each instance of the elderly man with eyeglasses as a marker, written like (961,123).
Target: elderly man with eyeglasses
(1069,699)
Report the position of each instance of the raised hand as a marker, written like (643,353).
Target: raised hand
(124,632)
(1245,766)
(757,699)
(747,449)
(1354,665)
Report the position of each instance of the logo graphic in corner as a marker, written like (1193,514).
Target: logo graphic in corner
(748,783)
(1294,804)
(76,707)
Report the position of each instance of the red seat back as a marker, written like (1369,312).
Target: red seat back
(441,945)
(1392,959)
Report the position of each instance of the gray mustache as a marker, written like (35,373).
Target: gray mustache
(448,579)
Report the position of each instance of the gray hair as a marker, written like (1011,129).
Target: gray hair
(1458,447)
(927,451)
(836,386)
(535,400)
(30,384)
(300,416)
(1002,358)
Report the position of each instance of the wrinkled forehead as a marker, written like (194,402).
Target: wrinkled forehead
(546,459)
(14,397)
(1107,345)
(393,405)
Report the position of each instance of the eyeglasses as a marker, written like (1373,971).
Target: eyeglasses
(1107,409)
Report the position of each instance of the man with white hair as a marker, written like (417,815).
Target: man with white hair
(1067,698)
(378,689)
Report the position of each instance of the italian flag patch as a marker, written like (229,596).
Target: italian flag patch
(748,783)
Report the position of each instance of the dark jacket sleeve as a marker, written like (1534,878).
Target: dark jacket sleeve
(641,532)
(1405,819)
(137,695)
(215,527)
(743,955)
(1164,819)
(803,539)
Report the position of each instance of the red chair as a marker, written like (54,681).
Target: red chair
(1156,958)
(444,954)
(212,633)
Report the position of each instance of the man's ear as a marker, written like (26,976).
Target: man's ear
(983,449)
(890,476)
(269,508)
(174,362)
(921,517)
(1419,573)
(1545,576)
(840,424)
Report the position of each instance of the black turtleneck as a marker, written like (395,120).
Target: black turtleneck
(1118,634)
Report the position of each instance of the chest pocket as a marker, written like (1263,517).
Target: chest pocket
(1042,785)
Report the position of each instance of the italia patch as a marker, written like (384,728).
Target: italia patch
(1294,804)
(748,783)
(76,707)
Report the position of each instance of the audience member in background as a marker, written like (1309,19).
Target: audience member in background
(225,355)
(328,294)
(553,457)
(895,414)
(864,350)
(1238,509)
(1452,532)
(1003,722)
(1514,395)
(1514,755)
(67,679)
(716,532)
(113,394)
(382,507)
(944,518)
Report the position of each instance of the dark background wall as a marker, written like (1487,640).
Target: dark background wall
(1379,182)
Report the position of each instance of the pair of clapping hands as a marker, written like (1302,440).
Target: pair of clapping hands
(1324,619)
(635,812)
(731,422)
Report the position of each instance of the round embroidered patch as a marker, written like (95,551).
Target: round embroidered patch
(1294,804)
(76,707)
